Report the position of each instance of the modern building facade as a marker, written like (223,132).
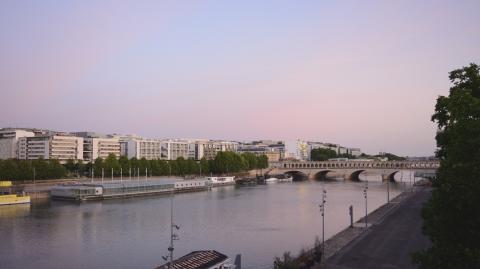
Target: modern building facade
(304,149)
(274,150)
(212,148)
(96,147)
(60,147)
(9,142)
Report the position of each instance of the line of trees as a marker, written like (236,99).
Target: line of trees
(13,169)
(224,162)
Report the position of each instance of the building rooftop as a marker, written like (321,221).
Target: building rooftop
(202,259)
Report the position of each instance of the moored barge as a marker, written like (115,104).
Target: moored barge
(123,189)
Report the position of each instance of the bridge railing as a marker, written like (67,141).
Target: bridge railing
(355,165)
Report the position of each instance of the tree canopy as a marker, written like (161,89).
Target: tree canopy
(322,154)
(452,215)
(224,162)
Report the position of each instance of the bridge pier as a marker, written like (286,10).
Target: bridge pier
(353,176)
(389,176)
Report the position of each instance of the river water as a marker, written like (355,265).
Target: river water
(259,222)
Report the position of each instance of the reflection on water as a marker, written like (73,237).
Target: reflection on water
(257,221)
(12,211)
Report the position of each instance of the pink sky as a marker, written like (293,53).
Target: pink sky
(362,74)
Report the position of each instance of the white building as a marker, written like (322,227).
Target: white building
(304,149)
(95,147)
(211,148)
(9,142)
(150,149)
(355,152)
(60,147)
(176,149)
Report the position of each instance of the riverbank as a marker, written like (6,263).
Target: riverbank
(347,237)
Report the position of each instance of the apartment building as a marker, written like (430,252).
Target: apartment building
(304,149)
(211,148)
(274,150)
(97,147)
(150,149)
(176,149)
(9,142)
(60,147)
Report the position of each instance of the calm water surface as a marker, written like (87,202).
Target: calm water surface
(260,222)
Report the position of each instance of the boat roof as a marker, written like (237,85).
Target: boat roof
(202,259)
(123,184)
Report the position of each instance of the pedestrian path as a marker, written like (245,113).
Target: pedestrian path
(394,232)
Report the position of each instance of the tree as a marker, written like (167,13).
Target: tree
(452,215)
(262,161)
(110,163)
(250,159)
(70,166)
(55,169)
(322,154)
(124,164)
(204,166)
(98,166)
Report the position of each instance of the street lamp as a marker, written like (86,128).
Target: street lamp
(173,236)
(388,188)
(322,211)
(365,194)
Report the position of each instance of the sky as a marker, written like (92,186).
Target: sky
(359,73)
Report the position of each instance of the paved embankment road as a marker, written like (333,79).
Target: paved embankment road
(387,244)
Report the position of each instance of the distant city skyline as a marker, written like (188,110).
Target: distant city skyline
(361,74)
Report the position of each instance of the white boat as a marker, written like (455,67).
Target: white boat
(286,179)
(271,180)
(221,181)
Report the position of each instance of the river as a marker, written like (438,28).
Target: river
(259,222)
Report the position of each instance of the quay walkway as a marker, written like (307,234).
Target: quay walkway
(393,233)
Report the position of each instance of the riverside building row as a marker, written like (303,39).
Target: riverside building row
(30,144)
(304,149)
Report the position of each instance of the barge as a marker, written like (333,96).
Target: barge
(123,189)
(221,181)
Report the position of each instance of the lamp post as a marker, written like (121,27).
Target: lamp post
(34,186)
(322,210)
(173,236)
(388,188)
(365,194)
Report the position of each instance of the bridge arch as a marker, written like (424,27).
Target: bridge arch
(321,175)
(355,175)
(389,176)
(297,175)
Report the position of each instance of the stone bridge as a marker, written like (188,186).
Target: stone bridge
(351,169)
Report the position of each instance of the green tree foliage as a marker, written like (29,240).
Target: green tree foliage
(13,169)
(110,163)
(322,154)
(262,162)
(204,166)
(124,164)
(452,215)
(225,162)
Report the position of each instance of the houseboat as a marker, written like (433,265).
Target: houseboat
(221,181)
(122,189)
